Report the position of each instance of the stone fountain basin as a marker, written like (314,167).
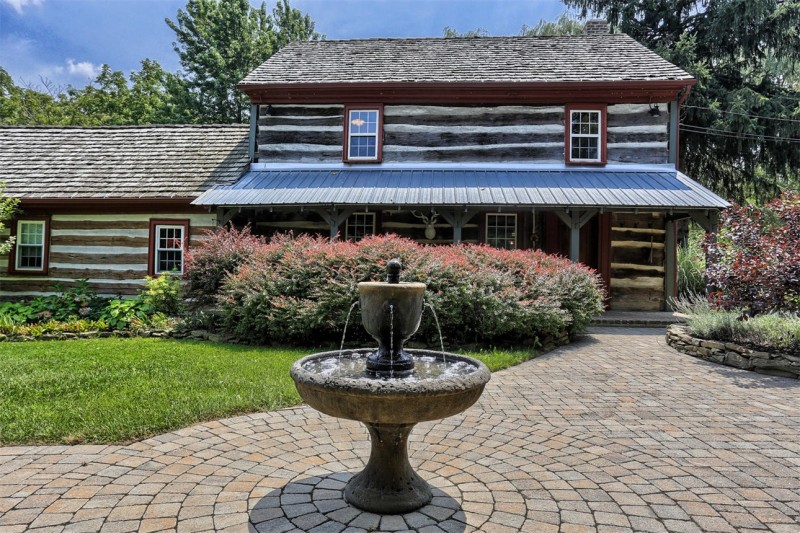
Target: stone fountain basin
(393,400)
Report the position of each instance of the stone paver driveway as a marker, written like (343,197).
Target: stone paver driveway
(617,432)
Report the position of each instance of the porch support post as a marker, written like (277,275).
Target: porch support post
(670,268)
(457,220)
(224,216)
(575,220)
(334,218)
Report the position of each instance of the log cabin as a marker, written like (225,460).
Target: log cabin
(109,204)
(567,144)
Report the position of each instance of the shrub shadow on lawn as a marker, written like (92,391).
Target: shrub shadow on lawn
(310,502)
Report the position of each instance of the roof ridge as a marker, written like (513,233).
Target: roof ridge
(470,38)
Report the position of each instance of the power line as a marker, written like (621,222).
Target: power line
(733,135)
(776,119)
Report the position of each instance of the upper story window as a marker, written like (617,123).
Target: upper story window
(360,225)
(168,239)
(586,134)
(363,133)
(30,248)
(501,230)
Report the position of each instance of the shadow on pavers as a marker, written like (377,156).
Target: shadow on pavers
(318,501)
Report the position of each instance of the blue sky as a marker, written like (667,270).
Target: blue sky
(65,41)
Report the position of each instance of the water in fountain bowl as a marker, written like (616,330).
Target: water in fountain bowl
(354,365)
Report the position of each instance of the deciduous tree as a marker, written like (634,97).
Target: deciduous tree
(220,41)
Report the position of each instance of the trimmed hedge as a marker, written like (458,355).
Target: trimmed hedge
(298,290)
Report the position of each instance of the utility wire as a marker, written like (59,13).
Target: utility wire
(776,119)
(731,134)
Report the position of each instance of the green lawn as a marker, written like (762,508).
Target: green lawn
(118,390)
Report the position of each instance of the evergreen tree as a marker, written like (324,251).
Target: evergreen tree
(220,41)
(740,131)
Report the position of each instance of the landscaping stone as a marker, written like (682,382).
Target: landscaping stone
(732,354)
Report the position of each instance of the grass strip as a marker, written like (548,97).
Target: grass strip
(120,390)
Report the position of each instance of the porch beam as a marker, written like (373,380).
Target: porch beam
(224,216)
(457,219)
(708,221)
(575,220)
(334,218)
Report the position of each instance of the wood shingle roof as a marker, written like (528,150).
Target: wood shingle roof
(585,58)
(38,162)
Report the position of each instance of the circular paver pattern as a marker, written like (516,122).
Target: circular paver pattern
(615,433)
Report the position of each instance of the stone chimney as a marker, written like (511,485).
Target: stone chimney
(596,27)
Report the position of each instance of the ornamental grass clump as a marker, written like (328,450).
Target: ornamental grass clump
(298,290)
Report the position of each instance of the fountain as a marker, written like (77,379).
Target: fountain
(389,390)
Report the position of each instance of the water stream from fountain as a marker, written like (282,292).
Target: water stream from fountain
(346,322)
(438,327)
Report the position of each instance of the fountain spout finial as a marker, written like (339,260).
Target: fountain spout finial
(393,268)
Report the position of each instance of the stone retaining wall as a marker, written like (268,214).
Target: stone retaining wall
(730,354)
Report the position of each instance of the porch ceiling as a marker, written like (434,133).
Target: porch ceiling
(636,187)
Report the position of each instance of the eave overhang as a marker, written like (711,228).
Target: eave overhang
(629,188)
(626,91)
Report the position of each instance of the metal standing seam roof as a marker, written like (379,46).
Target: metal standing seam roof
(661,189)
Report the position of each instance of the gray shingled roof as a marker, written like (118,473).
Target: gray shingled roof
(487,59)
(120,162)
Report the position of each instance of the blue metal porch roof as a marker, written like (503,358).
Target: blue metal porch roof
(398,187)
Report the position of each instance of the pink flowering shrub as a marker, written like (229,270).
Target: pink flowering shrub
(220,252)
(754,259)
(298,290)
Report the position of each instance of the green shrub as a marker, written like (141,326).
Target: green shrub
(163,294)
(118,314)
(293,290)
(776,332)
(51,327)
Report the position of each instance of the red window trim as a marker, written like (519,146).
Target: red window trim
(151,248)
(362,107)
(12,254)
(603,109)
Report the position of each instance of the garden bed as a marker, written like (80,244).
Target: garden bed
(732,354)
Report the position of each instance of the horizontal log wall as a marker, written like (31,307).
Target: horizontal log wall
(111,251)
(637,262)
(314,134)
(635,136)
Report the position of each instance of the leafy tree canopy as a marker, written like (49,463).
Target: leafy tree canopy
(563,25)
(220,41)
(740,130)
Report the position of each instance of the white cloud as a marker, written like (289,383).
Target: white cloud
(20,5)
(82,68)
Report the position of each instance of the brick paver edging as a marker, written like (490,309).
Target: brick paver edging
(731,354)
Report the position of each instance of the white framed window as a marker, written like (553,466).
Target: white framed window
(585,135)
(359,225)
(168,248)
(363,134)
(501,230)
(30,245)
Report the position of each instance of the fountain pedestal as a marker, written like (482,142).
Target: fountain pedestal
(388,394)
(388,484)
